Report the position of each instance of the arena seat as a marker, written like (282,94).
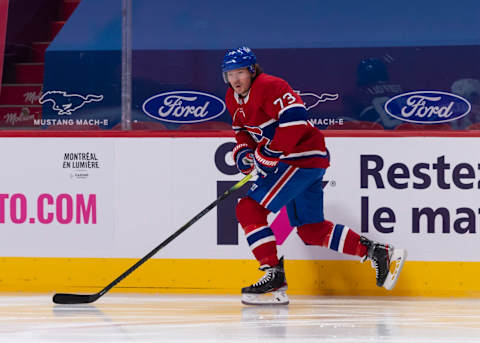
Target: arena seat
(422,127)
(474,126)
(206,126)
(356,125)
(73,127)
(143,125)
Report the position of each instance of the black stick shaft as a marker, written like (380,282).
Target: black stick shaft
(74,298)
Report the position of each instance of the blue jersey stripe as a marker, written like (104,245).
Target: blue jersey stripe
(305,157)
(337,234)
(259,235)
(293,114)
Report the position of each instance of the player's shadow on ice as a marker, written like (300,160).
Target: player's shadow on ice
(77,310)
(86,313)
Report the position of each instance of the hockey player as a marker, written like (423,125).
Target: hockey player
(275,138)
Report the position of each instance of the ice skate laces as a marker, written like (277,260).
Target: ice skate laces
(374,263)
(267,277)
(384,251)
(373,258)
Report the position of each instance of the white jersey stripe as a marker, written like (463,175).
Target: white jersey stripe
(273,187)
(331,237)
(282,185)
(305,153)
(262,241)
(293,123)
(268,122)
(342,239)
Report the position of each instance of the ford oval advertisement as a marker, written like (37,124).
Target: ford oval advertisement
(427,107)
(184,107)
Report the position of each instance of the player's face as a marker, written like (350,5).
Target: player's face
(240,80)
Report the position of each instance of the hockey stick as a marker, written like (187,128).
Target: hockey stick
(65,298)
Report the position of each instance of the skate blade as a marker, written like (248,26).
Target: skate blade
(397,260)
(278,297)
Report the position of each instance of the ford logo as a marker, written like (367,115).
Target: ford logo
(427,107)
(183,107)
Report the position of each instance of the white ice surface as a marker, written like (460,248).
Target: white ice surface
(209,318)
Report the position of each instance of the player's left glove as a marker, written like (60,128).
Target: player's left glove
(266,160)
(243,157)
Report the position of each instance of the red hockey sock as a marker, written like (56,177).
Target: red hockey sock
(337,237)
(250,212)
(263,244)
(253,218)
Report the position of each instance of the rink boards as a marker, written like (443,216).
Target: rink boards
(75,212)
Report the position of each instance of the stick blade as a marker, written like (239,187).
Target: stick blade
(64,298)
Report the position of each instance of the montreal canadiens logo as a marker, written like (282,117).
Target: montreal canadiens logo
(427,107)
(183,107)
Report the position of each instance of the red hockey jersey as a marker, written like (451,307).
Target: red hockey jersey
(272,113)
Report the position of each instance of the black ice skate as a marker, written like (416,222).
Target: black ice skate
(384,257)
(270,289)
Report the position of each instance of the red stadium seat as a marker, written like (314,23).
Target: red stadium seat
(73,127)
(475,126)
(356,125)
(423,127)
(206,126)
(143,125)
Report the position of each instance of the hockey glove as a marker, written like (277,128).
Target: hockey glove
(266,160)
(243,157)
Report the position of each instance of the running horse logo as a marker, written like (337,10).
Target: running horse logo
(65,103)
(311,100)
